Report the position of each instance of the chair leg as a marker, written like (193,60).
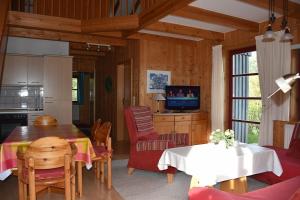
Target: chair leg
(25,191)
(109,175)
(73,187)
(98,170)
(21,189)
(130,170)
(102,170)
(170,178)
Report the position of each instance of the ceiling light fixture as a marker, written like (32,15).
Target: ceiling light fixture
(269,34)
(98,46)
(287,36)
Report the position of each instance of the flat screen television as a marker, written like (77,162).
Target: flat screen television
(179,97)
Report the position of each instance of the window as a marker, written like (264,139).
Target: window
(75,89)
(246,105)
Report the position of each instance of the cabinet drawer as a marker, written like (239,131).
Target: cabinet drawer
(179,118)
(199,116)
(163,118)
(164,127)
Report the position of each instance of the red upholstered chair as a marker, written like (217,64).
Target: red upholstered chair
(286,190)
(146,146)
(289,159)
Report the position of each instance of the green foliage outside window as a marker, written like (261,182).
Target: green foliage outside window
(75,89)
(254,106)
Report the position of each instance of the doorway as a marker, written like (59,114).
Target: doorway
(124,98)
(83,100)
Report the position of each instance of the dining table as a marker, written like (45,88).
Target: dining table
(22,136)
(209,164)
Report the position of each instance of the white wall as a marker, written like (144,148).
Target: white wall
(17,45)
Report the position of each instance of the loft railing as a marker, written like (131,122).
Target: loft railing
(81,9)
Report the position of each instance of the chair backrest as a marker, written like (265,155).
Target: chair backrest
(48,153)
(102,133)
(45,120)
(94,128)
(139,121)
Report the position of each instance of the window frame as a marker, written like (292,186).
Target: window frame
(77,77)
(231,77)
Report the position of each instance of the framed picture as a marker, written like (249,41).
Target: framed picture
(157,81)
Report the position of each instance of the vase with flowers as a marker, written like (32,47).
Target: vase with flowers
(219,137)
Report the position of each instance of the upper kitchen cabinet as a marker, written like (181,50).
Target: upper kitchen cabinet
(35,70)
(23,70)
(15,70)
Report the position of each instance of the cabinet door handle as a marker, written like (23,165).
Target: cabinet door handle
(21,82)
(35,82)
(48,102)
(49,97)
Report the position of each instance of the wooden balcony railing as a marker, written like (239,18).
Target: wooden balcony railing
(80,9)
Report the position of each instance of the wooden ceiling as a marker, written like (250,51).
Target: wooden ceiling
(113,21)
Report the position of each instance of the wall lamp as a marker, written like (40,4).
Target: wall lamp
(285,83)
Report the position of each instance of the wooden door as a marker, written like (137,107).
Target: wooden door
(124,94)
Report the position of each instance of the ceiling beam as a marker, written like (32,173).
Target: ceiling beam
(161,9)
(21,19)
(158,10)
(118,23)
(217,18)
(64,36)
(185,30)
(293,8)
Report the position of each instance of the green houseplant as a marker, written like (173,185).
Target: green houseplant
(227,136)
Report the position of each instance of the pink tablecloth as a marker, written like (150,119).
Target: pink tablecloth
(24,135)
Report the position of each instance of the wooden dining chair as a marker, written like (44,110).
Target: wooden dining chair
(45,120)
(96,125)
(103,150)
(48,161)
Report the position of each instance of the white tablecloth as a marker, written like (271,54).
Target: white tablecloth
(211,163)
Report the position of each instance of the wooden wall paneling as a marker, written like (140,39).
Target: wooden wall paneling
(3,34)
(106,100)
(189,63)
(84,64)
(78,10)
(295,92)
(56,7)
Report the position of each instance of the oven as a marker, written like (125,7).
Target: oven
(9,121)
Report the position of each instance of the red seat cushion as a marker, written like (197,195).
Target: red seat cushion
(100,150)
(41,174)
(294,150)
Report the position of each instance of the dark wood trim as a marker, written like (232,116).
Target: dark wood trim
(249,74)
(245,121)
(247,98)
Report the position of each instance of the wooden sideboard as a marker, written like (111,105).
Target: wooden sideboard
(195,124)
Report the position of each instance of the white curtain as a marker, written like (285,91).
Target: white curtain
(217,89)
(273,60)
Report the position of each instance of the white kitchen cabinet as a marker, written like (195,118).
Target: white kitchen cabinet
(51,78)
(15,70)
(58,88)
(35,70)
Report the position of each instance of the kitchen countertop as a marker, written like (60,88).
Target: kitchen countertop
(19,111)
